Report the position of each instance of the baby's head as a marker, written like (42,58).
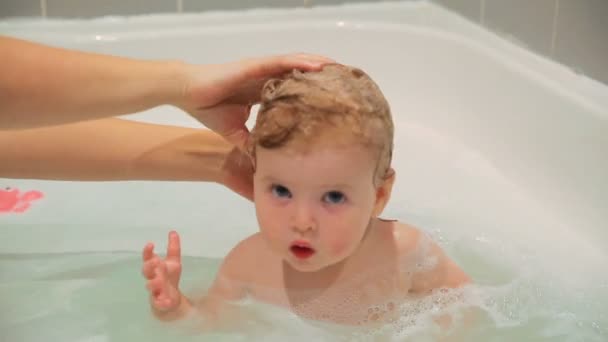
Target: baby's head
(322,145)
(339,105)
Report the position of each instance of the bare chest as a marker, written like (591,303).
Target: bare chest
(361,300)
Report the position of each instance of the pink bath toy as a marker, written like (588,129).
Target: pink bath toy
(14,201)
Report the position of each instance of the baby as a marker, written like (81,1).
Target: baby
(322,147)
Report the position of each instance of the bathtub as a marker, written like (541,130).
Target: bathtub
(500,154)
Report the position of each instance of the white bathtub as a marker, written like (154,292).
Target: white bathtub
(496,147)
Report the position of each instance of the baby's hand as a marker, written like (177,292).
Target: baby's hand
(163,275)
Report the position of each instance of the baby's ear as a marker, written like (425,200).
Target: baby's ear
(383,192)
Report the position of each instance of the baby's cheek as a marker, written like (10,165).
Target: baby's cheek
(273,239)
(268,227)
(345,239)
(338,248)
(342,245)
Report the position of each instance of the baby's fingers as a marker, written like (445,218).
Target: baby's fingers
(161,271)
(162,303)
(155,287)
(158,284)
(148,270)
(174,250)
(148,251)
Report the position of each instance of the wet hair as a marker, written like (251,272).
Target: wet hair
(300,106)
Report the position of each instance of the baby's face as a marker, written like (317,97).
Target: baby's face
(314,207)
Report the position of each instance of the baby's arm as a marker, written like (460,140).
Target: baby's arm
(168,303)
(227,287)
(163,275)
(437,270)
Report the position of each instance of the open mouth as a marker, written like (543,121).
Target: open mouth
(301,250)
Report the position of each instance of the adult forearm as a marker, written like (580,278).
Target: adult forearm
(43,85)
(113,149)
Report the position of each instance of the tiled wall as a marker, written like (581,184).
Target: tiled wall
(93,8)
(573,32)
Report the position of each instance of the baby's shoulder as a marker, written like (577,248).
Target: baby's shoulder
(242,260)
(243,252)
(406,240)
(246,247)
(430,266)
(413,250)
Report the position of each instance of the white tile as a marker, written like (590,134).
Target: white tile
(20,8)
(582,37)
(93,8)
(528,21)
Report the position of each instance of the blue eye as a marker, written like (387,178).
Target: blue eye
(280,191)
(334,197)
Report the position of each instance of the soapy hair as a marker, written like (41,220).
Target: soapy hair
(301,106)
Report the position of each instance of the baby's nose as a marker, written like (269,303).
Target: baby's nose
(304,218)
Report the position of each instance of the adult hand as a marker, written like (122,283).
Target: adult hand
(36,92)
(220,96)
